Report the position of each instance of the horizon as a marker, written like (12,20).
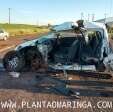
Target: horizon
(43,12)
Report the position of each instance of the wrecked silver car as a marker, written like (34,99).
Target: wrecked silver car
(69,46)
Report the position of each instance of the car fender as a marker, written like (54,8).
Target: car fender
(108,61)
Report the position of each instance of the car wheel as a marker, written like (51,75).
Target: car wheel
(34,58)
(5,38)
(13,61)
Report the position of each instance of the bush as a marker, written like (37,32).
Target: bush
(110,35)
(35,30)
(21,32)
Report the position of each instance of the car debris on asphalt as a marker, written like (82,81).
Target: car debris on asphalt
(14,74)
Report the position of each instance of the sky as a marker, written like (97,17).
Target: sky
(53,11)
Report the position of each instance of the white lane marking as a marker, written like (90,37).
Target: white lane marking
(6,48)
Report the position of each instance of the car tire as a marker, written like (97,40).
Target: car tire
(13,62)
(34,59)
(5,38)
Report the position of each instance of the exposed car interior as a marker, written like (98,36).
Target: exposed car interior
(72,47)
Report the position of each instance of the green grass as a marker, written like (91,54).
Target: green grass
(23,29)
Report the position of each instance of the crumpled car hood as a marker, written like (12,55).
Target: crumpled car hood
(33,42)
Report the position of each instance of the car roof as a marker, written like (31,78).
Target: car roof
(70,25)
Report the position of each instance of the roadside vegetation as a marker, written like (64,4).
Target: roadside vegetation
(110,31)
(17,30)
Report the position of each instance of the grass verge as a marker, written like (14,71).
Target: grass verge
(16,30)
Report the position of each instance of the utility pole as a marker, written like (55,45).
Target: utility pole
(37,22)
(9,15)
(105,17)
(82,15)
(110,7)
(88,17)
(93,17)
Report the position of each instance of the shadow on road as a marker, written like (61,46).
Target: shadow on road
(28,81)
(49,84)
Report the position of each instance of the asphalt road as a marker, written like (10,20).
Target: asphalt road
(42,88)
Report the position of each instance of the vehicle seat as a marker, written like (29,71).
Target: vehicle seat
(87,56)
(66,55)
